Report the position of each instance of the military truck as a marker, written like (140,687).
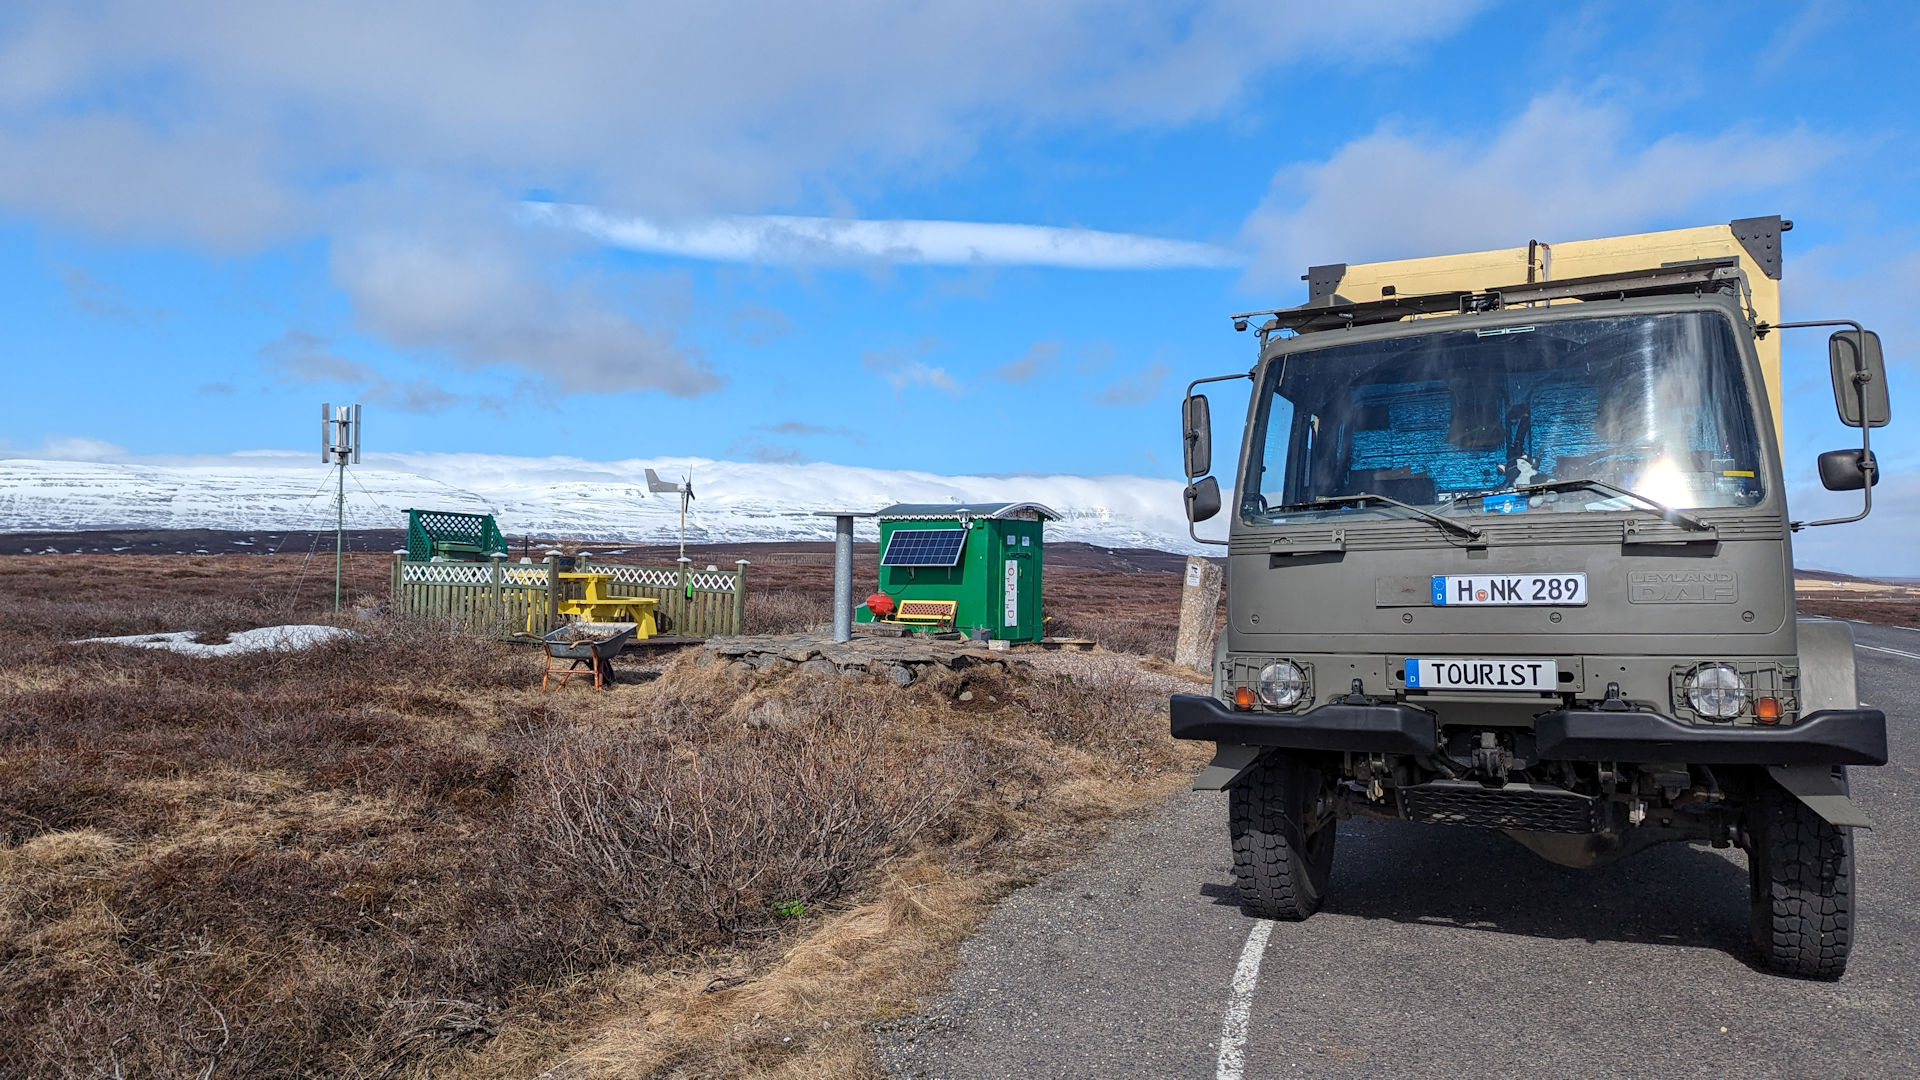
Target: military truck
(1510,549)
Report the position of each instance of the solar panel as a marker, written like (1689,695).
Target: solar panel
(924,547)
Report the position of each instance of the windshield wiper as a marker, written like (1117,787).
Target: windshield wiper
(1467,531)
(1665,511)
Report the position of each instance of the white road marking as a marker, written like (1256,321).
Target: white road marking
(1233,1030)
(1889,652)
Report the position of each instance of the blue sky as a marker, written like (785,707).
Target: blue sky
(212,219)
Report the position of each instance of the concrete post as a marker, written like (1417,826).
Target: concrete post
(843,577)
(1199,607)
(740,596)
(553,592)
(496,602)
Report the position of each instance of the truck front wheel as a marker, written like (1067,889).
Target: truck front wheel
(1800,870)
(1281,818)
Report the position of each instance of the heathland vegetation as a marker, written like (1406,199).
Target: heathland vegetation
(395,856)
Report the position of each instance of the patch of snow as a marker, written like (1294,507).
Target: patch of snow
(561,497)
(266,639)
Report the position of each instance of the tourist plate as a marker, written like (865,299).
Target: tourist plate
(1473,673)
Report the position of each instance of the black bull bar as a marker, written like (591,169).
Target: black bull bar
(1827,737)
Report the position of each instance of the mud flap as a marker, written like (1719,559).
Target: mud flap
(1823,792)
(1230,762)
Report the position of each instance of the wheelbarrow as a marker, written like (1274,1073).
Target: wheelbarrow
(593,645)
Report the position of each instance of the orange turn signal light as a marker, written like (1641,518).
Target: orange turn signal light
(1766,710)
(1243,698)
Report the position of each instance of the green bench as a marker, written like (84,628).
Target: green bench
(452,535)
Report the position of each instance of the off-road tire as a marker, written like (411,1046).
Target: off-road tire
(1800,871)
(1282,872)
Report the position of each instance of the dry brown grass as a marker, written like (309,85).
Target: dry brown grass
(786,610)
(1118,631)
(1890,608)
(394,856)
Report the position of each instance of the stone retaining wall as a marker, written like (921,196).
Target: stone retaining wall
(901,659)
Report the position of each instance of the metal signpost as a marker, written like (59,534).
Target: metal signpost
(843,569)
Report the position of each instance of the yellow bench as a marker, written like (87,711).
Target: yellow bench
(634,609)
(598,606)
(937,613)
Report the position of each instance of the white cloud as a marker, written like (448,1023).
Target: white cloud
(1793,34)
(307,359)
(804,430)
(1562,169)
(237,127)
(902,367)
(480,301)
(761,451)
(813,240)
(79,448)
(300,357)
(1137,388)
(1040,358)
(206,185)
(675,108)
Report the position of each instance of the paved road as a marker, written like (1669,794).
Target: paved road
(1440,952)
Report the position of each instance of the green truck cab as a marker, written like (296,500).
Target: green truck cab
(1519,558)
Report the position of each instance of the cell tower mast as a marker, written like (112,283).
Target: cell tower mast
(339,447)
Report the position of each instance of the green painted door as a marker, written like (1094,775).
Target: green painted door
(1018,581)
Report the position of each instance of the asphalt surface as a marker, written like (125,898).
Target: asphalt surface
(1440,952)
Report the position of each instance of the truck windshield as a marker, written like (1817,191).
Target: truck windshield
(1455,421)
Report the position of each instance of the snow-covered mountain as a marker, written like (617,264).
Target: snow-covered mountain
(564,497)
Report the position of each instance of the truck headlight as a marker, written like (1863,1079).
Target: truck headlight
(1717,691)
(1281,684)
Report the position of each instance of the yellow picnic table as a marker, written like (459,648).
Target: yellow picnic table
(598,606)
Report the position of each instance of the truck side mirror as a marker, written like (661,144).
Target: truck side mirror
(1859,380)
(1198,437)
(1203,498)
(1848,470)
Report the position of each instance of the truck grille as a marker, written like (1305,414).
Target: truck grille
(1516,806)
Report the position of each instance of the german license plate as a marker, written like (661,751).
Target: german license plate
(1489,590)
(1468,673)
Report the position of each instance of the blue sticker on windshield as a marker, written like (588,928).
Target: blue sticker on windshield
(1510,503)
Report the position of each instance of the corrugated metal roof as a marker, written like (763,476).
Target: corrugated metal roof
(960,511)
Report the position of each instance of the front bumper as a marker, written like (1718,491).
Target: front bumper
(1364,729)
(1828,737)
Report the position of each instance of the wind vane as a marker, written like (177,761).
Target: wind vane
(685,490)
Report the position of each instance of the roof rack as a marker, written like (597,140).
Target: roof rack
(1337,313)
